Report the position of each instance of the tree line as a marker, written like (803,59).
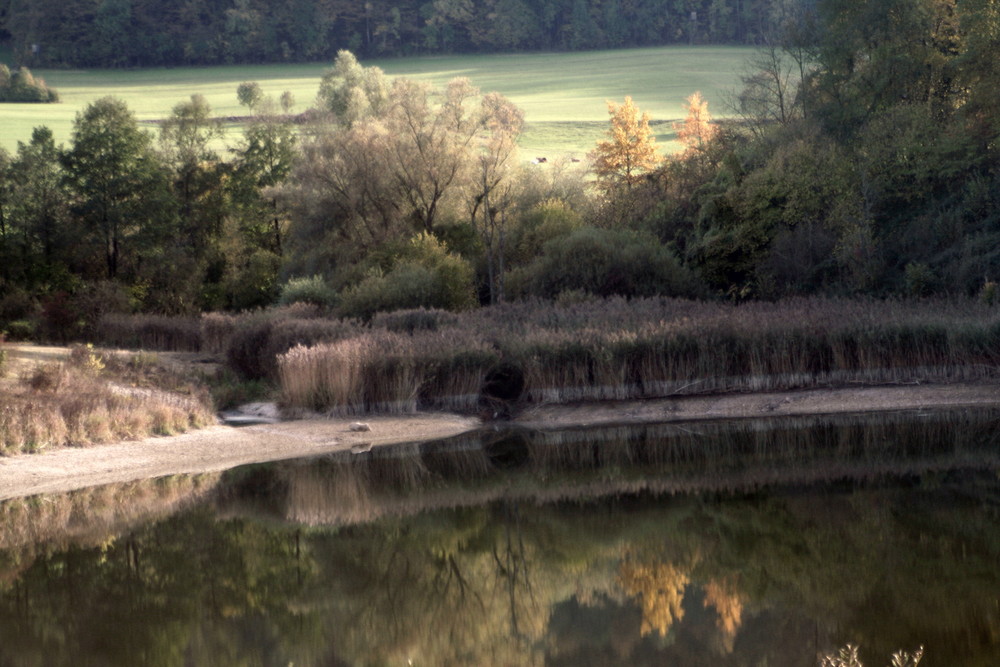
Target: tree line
(144,33)
(862,161)
(865,160)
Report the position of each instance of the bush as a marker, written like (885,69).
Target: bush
(92,301)
(22,86)
(217,332)
(426,275)
(20,330)
(16,304)
(312,290)
(419,319)
(255,284)
(605,263)
(257,340)
(60,320)
(551,219)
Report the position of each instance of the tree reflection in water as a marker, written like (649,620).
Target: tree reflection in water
(709,544)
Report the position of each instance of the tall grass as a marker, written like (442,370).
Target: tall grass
(85,403)
(618,349)
(150,332)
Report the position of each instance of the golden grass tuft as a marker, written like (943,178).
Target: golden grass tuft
(85,403)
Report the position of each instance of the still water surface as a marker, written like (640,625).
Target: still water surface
(758,542)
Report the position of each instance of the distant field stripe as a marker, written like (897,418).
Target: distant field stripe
(563,95)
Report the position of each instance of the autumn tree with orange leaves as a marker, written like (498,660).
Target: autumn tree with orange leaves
(697,129)
(628,153)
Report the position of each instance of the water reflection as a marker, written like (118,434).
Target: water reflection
(714,544)
(547,466)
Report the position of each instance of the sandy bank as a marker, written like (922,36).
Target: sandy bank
(222,447)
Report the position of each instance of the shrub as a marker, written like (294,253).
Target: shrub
(548,220)
(59,321)
(920,280)
(254,284)
(605,263)
(426,275)
(59,405)
(312,290)
(20,330)
(16,304)
(217,331)
(419,319)
(47,378)
(258,339)
(94,300)
(615,348)
(22,86)
(229,391)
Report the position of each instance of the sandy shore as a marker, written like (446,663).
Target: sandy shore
(222,447)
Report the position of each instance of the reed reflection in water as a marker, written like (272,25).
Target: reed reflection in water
(697,457)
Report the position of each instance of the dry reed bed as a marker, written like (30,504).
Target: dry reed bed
(150,332)
(618,349)
(77,404)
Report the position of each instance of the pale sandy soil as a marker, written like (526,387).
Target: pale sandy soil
(222,447)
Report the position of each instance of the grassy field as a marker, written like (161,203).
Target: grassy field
(563,95)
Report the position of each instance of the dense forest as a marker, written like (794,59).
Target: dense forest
(142,33)
(863,161)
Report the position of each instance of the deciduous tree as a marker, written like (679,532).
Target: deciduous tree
(493,185)
(352,92)
(37,215)
(120,185)
(629,152)
(697,129)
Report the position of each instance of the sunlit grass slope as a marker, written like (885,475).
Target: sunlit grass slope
(563,95)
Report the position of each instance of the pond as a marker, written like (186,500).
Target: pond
(752,542)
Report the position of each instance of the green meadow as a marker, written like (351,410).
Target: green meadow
(563,95)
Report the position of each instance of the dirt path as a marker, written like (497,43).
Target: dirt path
(223,447)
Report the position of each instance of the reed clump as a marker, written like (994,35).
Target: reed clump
(93,399)
(150,332)
(641,348)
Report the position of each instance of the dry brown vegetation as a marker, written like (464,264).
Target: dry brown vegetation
(596,349)
(618,349)
(94,398)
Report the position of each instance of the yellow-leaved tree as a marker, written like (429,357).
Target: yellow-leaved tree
(628,153)
(659,588)
(697,129)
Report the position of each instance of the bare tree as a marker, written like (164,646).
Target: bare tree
(493,189)
(430,147)
(770,83)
